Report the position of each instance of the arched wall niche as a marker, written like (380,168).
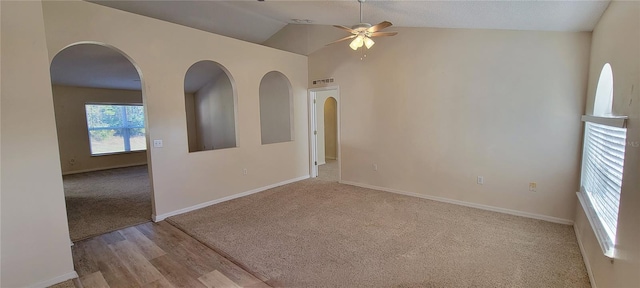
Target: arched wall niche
(210,106)
(276,108)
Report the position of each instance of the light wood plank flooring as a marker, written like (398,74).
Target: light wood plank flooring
(155,255)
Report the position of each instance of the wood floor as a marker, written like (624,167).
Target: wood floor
(154,255)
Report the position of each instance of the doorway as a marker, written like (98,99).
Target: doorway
(102,140)
(325,133)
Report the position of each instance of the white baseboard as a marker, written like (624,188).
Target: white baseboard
(158,218)
(103,168)
(463,203)
(56,280)
(585,259)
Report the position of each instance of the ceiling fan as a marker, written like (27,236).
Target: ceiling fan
(363,32)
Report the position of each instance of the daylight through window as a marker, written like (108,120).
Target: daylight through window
(115,128)
(603,164)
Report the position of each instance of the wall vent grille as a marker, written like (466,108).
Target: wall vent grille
(322,81)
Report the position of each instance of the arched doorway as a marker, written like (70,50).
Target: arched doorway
(325,133)
(329,170)
(101,125)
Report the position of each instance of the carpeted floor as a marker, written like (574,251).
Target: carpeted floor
(104,201)
(317,233)
(329,171)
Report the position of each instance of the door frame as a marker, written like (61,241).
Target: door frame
(313,138)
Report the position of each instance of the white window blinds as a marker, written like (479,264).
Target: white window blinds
(602,167)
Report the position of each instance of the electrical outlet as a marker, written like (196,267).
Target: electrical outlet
(480,180)
(245,171)
(157,143)
(533,186)
(375,167)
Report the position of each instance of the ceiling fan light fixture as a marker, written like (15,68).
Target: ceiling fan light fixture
(357,42)
(368,42)
(353,46)
(363,32)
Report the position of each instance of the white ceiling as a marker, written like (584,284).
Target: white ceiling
(253,21)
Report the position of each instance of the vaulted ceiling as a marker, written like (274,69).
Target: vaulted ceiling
(256,21)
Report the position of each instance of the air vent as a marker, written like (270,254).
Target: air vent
(301,21)
(323,81)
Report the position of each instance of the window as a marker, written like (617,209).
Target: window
(115,128)
(602,164)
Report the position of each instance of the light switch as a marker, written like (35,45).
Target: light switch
(157,143)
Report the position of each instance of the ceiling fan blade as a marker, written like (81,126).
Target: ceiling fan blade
(346,28)
(382,34)
(342,39)
(379,26)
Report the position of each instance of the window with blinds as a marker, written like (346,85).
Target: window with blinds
(602,167)
(603,164)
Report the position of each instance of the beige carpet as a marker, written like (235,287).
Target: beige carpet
(104,201)
(317,233)
(328,171)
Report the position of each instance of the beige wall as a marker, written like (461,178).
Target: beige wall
(35,236)
(35,239)
(435,108)
(1,92)
(616,40)
(330,128)
(71,125)
(215,114)
(181,179)
(275,108)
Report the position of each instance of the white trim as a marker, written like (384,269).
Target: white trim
(313,169)
(55,280)
(104,168)
(614,121)
(467,204)
(585,259)
(158,218)
(608,248)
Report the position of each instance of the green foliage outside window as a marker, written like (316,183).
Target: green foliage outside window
(115,128)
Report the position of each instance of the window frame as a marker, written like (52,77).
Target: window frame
(606,243)
(89,129)
(602,115)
